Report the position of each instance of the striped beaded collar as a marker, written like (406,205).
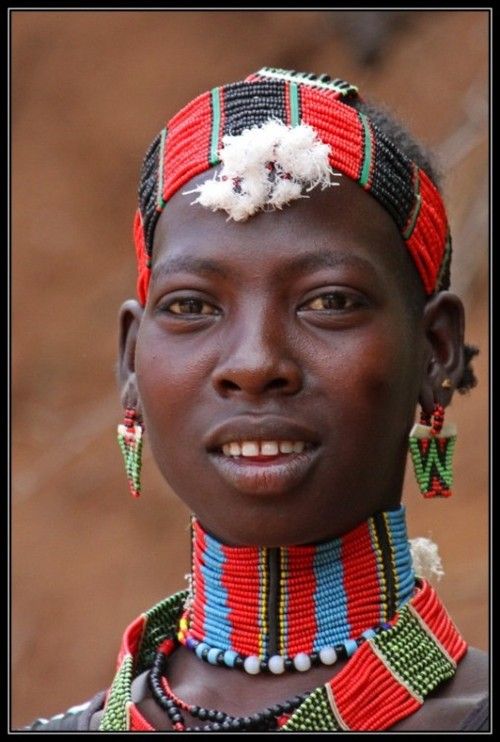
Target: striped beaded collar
(277,609)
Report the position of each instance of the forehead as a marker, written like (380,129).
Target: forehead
(340,220)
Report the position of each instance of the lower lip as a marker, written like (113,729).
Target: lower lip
(265,476)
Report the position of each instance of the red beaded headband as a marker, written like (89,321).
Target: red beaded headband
(191,142)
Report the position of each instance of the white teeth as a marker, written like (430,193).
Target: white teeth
(250,448)
(262,448)
(269,448)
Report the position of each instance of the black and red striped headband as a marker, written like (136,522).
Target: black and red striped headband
(191,142)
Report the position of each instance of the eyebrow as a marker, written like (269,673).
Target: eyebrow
(325,259)
(187,264)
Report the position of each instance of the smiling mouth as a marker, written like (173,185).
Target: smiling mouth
(264,467)
(263,449)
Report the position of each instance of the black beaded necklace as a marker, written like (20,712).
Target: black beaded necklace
(218,721)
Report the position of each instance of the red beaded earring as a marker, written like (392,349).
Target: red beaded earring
(130,441)
(431,447)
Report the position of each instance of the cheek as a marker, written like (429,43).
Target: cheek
(170,377)
(376,372)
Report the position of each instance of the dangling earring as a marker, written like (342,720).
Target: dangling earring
(431,448)
(130,442)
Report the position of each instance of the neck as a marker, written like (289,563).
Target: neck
(261,602)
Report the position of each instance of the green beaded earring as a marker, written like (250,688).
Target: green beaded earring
(431,447)
(130,442)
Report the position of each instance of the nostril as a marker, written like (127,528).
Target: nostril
(277,384)
(229,386)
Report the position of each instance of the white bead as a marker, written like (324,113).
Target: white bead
(276,664)
(302,662)
(252,665)
(328,655)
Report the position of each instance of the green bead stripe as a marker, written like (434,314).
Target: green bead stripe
(214,141)
(411,654)
(115,718)
(161,622)
(445,263)
(294,104)
(433,462)
(416,208)
(313,715)
(367,150)
(160,203)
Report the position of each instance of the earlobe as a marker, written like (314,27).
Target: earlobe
(444,332)
(129,321)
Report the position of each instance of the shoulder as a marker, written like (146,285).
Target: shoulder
(75,719)
(462,704)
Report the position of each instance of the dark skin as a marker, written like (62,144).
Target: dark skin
(314,315)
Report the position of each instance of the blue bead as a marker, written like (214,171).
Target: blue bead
(230,657)
(191,643)
(212,656)
(199,649)
(350,646)
(368,633)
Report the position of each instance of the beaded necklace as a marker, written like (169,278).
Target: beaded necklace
(386,680)
(289,608)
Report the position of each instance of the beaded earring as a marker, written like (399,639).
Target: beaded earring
(431,448)
(130,442)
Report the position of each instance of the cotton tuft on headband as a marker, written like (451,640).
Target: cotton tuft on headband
(266,167)
(299,114)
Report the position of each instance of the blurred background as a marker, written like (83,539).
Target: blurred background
(90,89)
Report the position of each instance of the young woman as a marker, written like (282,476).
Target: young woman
(293,321)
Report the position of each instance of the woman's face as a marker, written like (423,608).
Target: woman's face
(278,365)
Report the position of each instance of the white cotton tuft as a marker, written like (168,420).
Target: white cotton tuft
(189,598)
(426,559)
(265,167)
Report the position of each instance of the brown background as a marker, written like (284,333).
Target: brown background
(89,91)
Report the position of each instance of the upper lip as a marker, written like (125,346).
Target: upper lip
(264,428)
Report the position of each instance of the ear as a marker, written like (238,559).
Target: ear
(444,332)
(129,320)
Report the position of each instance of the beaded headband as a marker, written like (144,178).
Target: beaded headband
(191,144)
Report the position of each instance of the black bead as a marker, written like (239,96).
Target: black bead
(314,656)
(289,664)
(220,659)
(264,666)
(212,714)
(176,718)
(246,722)
(220,716)
(239,661)
(204,653)
(202,714)
(216,727)
(194,710)
(287,706)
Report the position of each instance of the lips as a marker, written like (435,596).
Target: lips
(261,474)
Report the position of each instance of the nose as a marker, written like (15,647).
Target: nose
(257,361)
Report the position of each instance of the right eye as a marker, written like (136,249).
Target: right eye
(190,306)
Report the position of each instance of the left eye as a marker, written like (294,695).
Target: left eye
(191,305)
(333,300)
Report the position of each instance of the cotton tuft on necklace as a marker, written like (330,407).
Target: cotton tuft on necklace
(265,168)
